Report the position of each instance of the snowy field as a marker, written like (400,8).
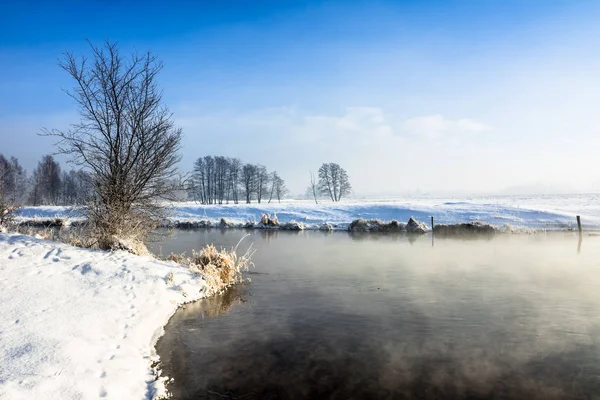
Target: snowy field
(82,324)
(540,212)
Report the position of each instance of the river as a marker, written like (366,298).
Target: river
(342,316)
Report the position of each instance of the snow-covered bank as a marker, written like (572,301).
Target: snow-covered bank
(45,213)
(82,324)
(546,212)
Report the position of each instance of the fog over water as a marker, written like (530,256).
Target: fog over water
(369,316)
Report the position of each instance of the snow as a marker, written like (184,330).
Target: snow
(82,324)
(48,212)
(552,212)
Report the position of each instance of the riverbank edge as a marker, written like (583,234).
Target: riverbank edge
(191,289)
(357,226)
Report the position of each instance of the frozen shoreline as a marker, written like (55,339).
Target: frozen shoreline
(83,323)
(533,212)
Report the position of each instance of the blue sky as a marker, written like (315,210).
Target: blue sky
(475,96)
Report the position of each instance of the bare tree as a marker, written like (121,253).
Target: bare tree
(199,179)
(334,181)
(46,182)
(51,178)
(126,139)
(261,181)
(314,186)
(35,182)
(5,179)
(278,188)
(19,182)
(248,181)
(235,168)
(13,183)
(6,209)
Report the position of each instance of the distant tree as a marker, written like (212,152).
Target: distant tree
(75,188)
(126,140)
(278,187)
(334,181)
(249,173)
(69,188)
(199,181)
(46,182)
(235,169)
(261,182)
(12,181)
(221,175)
(9,187)
(85,187)
(5,178)
(35,183)
(18,182)
(314,187)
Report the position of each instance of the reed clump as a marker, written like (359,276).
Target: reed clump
(219,268)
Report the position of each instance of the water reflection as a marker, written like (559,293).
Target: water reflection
(380,317)
(213,306)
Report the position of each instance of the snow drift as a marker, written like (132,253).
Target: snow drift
(82,323)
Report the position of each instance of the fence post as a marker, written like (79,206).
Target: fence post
(432,224)
(579,224)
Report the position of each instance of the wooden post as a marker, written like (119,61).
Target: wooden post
(432,235)
(579,224)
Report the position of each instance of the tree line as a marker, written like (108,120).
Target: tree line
(48,184)
(219,179)
(214,180)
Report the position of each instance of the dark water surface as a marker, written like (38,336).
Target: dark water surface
(331,315)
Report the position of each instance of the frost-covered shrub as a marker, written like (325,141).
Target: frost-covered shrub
(359,225)
(292,226)
(393,226)
(414,226)
(465,229)
(326,227)
(375,225)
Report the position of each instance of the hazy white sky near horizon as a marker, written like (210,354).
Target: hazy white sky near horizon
(440,98)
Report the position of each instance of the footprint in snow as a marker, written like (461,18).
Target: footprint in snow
(85,269)
(16,253)
(48,254)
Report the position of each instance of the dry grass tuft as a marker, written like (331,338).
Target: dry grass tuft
(82,236)
(131,244)
(45,233)
(220,268)
(78,240)
(266,220)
